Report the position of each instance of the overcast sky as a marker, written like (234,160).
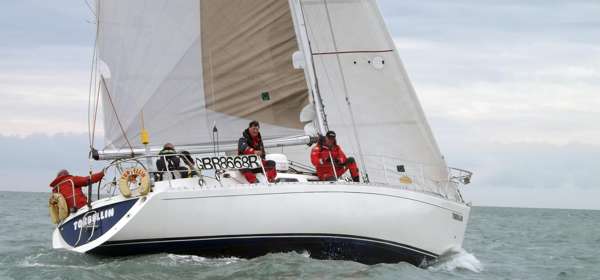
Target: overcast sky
(510,88)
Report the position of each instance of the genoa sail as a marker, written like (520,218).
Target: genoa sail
(247,62)
(180,68)
(367,96)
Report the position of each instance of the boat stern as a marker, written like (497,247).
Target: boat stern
(88,229)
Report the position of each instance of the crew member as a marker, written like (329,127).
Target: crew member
(187,159)
(70,187)
(168,162)
(251,144)
(330,161)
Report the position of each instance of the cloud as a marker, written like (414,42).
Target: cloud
(44,67)
(505,84)
(512,92)
(528,165)
(30,163)
(503,21)
(44,90)
(27,23)
(533,197)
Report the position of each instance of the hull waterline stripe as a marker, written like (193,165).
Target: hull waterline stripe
(303,235)
(286,193)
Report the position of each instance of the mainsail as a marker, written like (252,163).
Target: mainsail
(182,67)
(367,95)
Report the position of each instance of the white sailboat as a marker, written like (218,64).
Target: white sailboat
(195,72)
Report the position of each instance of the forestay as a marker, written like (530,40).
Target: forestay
(182,66)
(367,94)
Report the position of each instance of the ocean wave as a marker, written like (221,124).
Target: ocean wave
(457,259)
(192,259)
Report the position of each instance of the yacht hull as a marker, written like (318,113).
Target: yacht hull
(347,221)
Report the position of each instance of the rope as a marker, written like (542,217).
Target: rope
(354,129)
(116,114)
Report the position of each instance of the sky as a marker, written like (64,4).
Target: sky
(511,90)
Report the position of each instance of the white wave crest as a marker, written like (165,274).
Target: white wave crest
(191,259)
(305,254)
(457,258)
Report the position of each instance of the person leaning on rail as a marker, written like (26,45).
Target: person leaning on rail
(188,160)
(330,161)
(251,144)
(168,161)
(69,187)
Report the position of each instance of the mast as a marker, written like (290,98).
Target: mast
(309,69)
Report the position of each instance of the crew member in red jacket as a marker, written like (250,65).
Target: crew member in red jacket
(251,144)
(70,187)
(327,155)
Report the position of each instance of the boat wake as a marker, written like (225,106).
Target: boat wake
(191,259)
(457,259)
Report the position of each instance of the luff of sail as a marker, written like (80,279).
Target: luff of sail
(186,66)
(367,95)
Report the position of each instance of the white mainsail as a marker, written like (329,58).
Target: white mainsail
(367,95)
(181,66)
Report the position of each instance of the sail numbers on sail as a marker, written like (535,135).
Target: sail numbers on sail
(230,162)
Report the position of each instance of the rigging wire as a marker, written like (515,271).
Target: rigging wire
(116,114)
(316,95)
(94,89)
(328,76)
(94,93)
(90,89)
(353,120)
(90,7)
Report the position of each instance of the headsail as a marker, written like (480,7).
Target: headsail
(366,92)
(187,65)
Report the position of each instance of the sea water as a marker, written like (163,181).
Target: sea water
(500,243)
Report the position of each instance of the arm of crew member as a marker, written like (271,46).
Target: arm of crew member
(82,181)
(244,148)
(341,158)
(249,151)
(97,176)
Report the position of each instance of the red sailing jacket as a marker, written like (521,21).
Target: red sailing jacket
(321,159)
(65,186)
(248,145)
(256,145)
